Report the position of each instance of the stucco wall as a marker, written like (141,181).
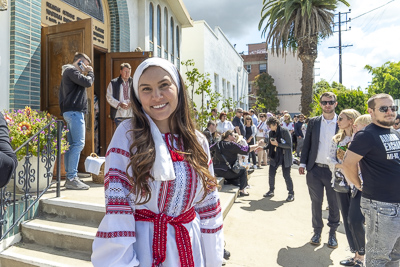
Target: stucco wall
(5,59)
(214,54)
(287,75)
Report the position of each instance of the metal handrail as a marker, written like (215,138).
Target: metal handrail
(28,176)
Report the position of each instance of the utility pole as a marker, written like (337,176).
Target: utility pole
(347,28)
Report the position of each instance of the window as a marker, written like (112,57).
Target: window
(229,92)
(171,35)
(166,33)
(248,68)
(234,93)
(263,68)
(158,31)
(151,27)
(216,83)
(224,89)
(177,48)
(249,88)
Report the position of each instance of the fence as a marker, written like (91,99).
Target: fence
(31,180)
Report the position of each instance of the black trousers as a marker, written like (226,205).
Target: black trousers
(317,179)
(252,155)
(286,176)
(353,221)
(230,175)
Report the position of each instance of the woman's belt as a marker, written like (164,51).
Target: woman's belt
(182,237)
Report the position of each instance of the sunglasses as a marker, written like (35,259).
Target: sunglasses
(240,111)
(331,102)
(397,123)
(262,116)
(340,118)
(385,109)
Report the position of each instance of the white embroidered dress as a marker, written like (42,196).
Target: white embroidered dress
(123,241)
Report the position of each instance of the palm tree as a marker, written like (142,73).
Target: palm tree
(297,25)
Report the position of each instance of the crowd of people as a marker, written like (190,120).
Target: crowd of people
(162,206)
(369,206)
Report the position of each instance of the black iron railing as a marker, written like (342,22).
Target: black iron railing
(20,198)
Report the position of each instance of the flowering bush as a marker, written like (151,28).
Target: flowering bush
(25,123)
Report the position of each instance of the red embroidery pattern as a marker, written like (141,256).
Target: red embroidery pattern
(118,151)
(211,231)
(175,156)
(182,237)
(118,206)
(115,234)
(209,211)
(117,176)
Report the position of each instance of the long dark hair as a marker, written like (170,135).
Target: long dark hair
(142,149)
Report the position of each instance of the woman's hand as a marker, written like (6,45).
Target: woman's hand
(261,143)
(274,143)
(338,166)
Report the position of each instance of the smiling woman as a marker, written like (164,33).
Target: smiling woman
(159,182)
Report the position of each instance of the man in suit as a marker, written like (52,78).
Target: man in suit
(314,158)
(119,93)
(8,160)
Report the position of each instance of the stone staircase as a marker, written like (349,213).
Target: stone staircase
(63,233)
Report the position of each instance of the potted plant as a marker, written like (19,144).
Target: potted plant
(24,124)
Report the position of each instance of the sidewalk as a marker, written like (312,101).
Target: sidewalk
(264,232)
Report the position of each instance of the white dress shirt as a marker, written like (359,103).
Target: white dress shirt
(121,113)
(327,131)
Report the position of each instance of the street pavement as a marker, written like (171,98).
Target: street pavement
(267,232)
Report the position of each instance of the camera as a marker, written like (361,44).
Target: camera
(272,139)
(81,65)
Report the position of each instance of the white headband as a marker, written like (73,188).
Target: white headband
(155,61)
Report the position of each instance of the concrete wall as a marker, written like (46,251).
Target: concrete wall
(5,59)
(287,75)
(214,54)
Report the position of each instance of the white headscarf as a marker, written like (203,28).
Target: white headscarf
(163,168)
(159,62)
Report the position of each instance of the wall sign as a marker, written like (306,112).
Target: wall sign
(57,12)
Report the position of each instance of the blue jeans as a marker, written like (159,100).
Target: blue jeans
(383,233)
(76,138)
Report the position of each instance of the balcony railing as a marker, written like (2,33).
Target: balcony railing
(19,199)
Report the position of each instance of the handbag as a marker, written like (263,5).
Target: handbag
(236,166)
(340,184)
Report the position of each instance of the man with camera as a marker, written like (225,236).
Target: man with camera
(76,77)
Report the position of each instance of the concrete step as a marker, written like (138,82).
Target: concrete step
(55,233)
(28,255)
(76,210)
(227,194)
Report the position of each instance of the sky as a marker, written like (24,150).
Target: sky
(375,36)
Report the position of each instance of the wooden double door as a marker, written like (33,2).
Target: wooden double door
(58,46)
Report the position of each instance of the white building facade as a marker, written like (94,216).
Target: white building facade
(214,54)
(156,25)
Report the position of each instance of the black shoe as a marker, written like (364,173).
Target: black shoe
(316,239)
(242,194)
(269,194)
(290,198)
(348,262)
(250,171)
(332,241)
(359,264)
(227,254)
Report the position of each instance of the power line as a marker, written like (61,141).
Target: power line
(373,10)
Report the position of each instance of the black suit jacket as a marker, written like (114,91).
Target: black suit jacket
(8,160)
(311,142)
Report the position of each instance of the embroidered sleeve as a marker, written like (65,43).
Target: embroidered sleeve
(211,222)
(113,244)
(212,234)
